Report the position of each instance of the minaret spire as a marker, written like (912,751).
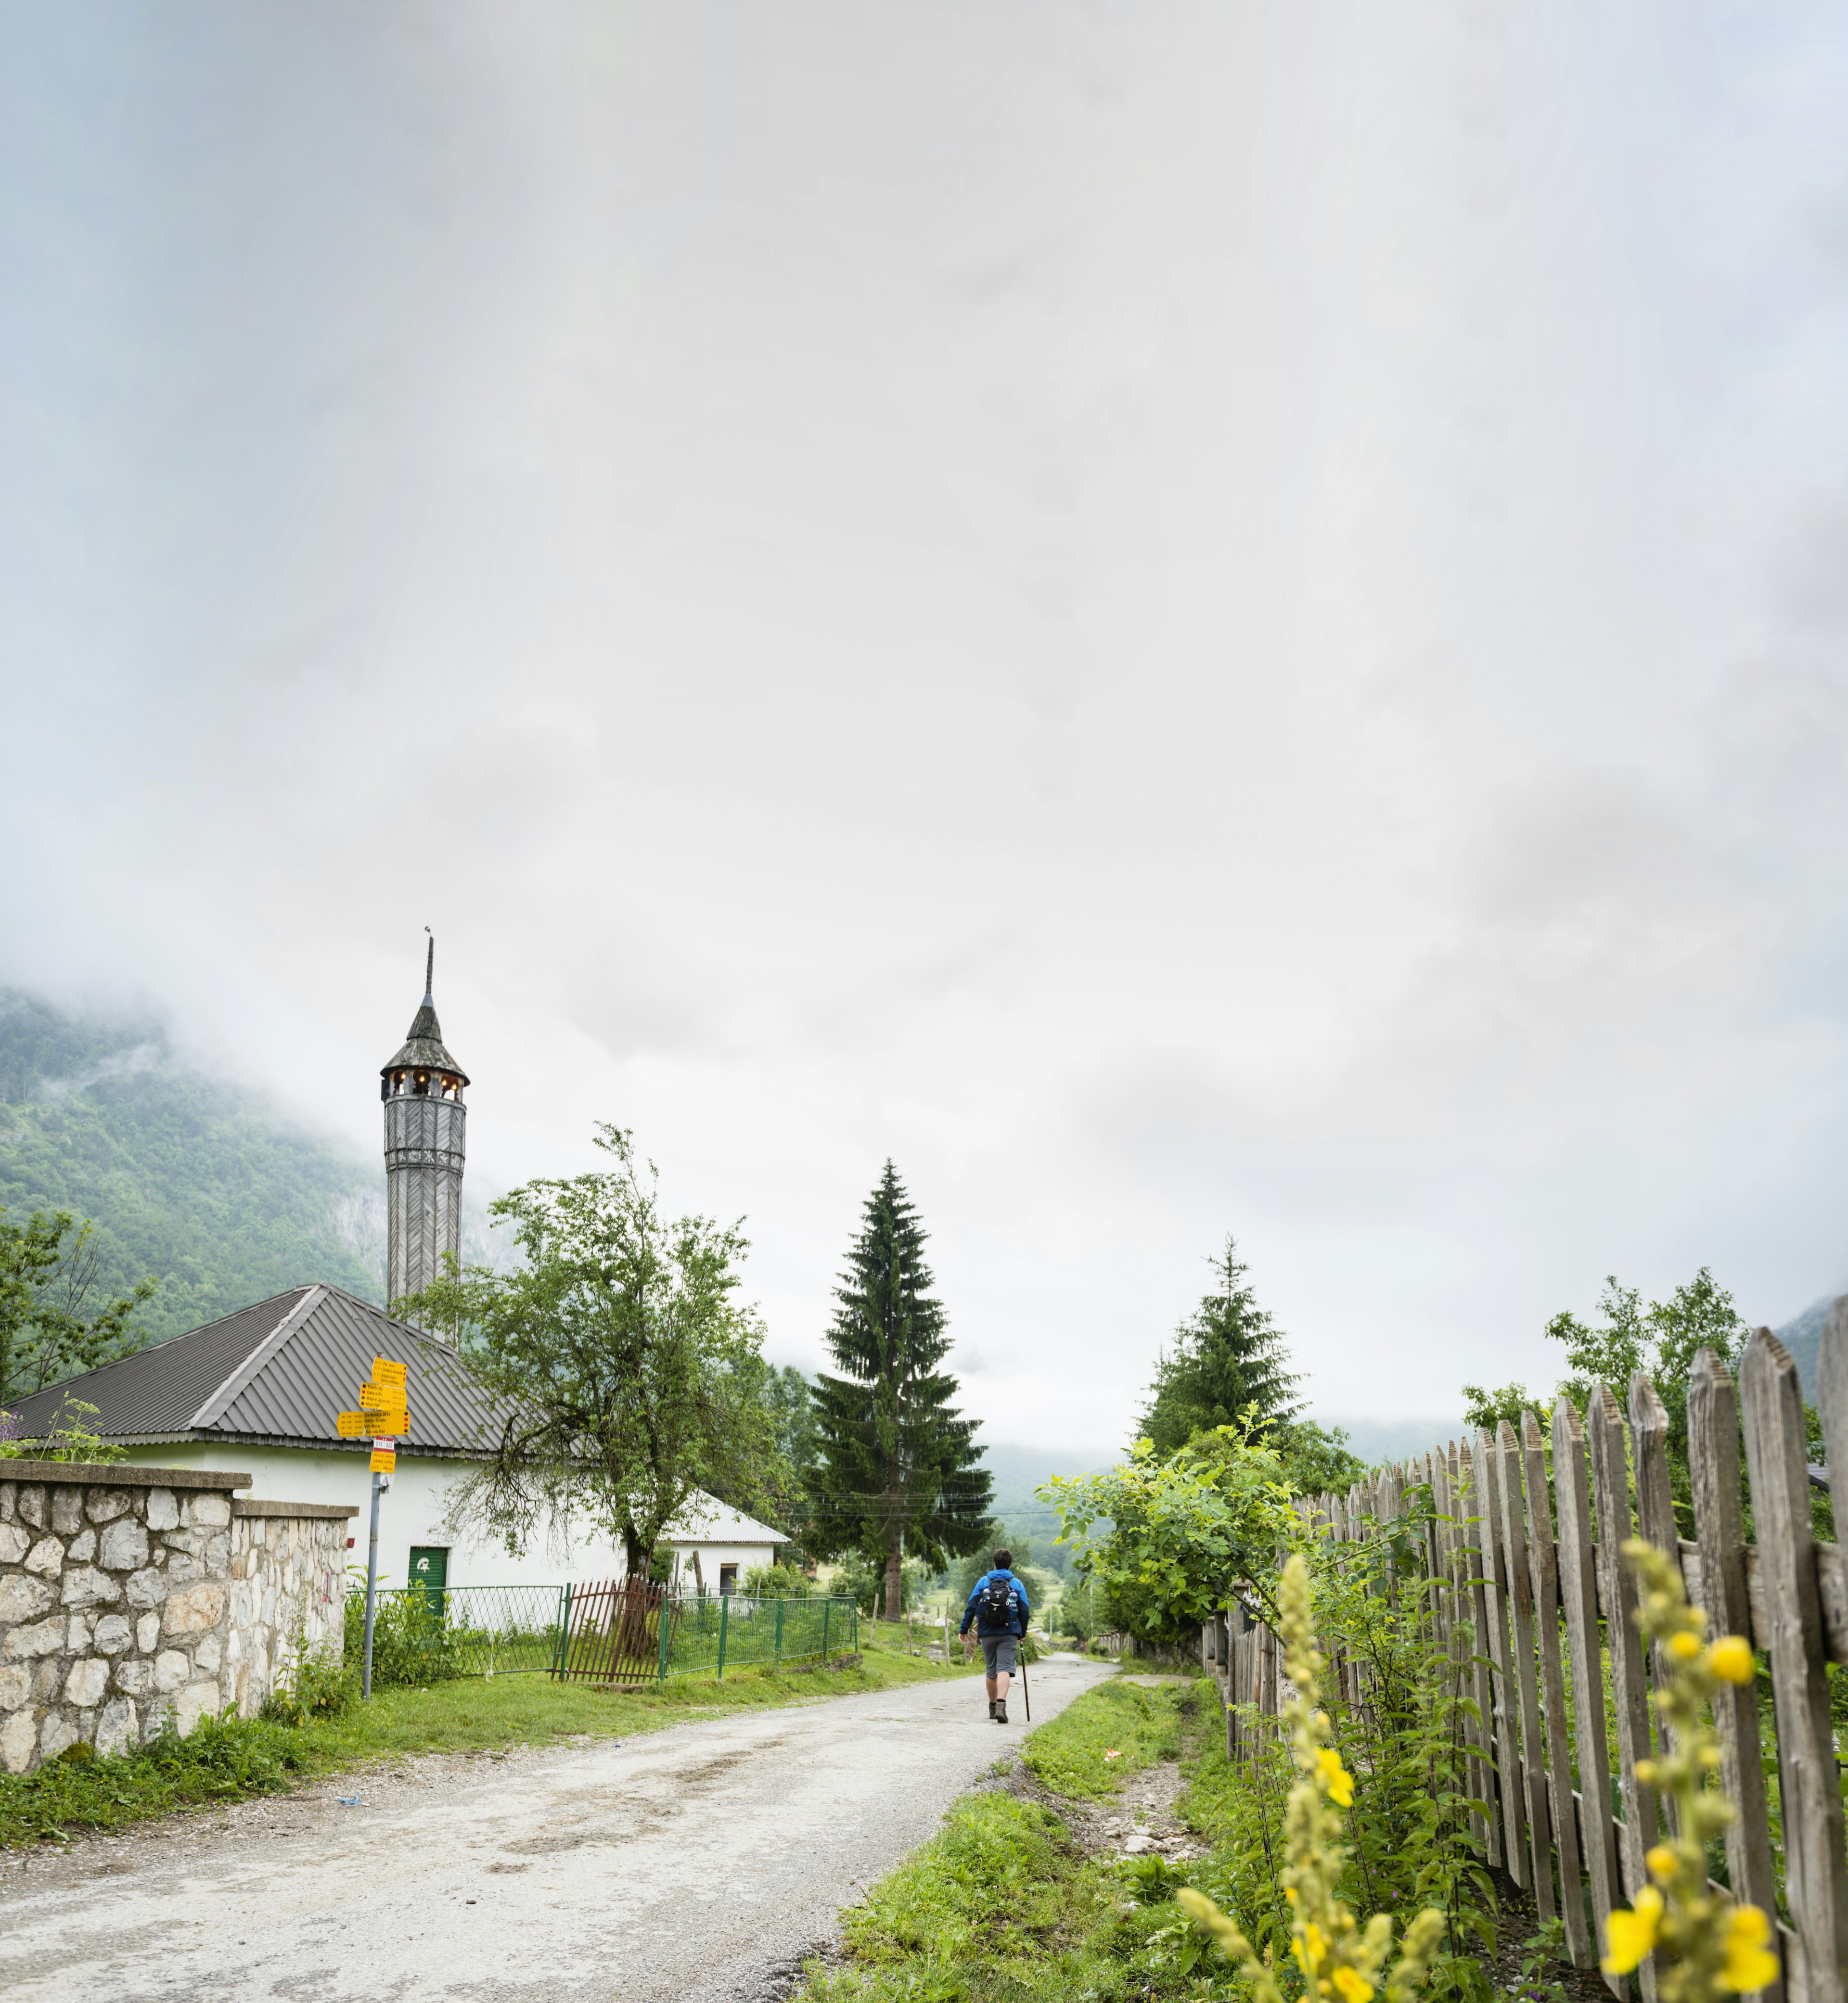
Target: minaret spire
(424,1124)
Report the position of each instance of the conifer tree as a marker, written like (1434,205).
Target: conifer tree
(1228,1356)
(897,1467)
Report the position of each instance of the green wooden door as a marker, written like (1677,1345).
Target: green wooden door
(429,1569)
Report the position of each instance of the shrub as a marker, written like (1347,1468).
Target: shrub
(411,1642)
(319,1685)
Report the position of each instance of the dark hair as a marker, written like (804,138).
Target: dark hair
(1004,1561)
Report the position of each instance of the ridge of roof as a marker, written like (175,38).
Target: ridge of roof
(214,1407)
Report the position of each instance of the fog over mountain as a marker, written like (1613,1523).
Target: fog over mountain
(1219,618)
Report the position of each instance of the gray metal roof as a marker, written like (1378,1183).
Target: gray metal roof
(276,1374)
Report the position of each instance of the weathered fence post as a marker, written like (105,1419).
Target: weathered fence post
(1521,1606)
(1809,1789)
(1720,1529)
(1495,1576)
(1475,1563)
(1610,1480)
(1545,1564)
(1577,1564)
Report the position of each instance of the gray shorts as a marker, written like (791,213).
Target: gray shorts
(998,1653)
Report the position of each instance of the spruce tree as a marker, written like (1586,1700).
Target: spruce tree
(896,1469)
(1228,1357)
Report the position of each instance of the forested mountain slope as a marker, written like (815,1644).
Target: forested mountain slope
(202,1185)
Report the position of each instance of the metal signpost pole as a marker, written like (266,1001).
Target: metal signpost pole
(371,1586)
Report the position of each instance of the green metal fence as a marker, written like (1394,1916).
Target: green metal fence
(425,1634)
(708,1635)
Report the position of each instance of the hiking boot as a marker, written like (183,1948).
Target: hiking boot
(992,1707)
(1001,1710)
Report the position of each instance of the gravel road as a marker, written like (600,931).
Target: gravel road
(699,1864)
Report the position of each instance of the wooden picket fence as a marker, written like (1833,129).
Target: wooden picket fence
(1512,1544)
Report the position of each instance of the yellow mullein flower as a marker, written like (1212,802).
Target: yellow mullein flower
(1749,1964)
(1632,1934)
(1661,1862)
(1311,1948)
(1353,1987)
(1684,1646)
(1730,1658)
(1335,1777)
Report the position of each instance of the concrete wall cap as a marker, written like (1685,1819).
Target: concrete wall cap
(241,1508)
(103,1474)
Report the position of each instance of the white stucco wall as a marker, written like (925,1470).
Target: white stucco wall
(411,1513)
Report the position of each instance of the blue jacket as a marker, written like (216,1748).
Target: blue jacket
(973,1612)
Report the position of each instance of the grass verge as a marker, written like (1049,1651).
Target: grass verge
(1002,1907)
(1096,1744)
(229,1761)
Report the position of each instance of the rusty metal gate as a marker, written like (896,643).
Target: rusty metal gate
(611,1634)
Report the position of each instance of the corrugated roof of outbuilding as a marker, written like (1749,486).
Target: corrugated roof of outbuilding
(279,1373)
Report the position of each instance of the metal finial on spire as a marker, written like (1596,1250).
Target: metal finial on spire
(430,969)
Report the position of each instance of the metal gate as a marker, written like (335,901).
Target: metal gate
(611,1632)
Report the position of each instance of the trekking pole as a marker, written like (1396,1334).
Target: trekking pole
(1026,1694)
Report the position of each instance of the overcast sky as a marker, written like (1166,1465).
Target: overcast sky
(1184,618)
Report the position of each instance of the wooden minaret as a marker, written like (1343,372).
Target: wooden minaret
(425,1117)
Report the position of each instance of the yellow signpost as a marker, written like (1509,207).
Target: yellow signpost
(384,1417)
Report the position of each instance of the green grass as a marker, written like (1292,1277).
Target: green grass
(232,1761)
(1140,1724)
(1001,1908)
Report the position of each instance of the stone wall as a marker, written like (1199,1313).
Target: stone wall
(130,1597)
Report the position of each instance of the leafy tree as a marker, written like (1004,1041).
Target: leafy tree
(1316,1459)
(1167,1541)
(789,1405)
(49,1275)
(621,1374)
(1484,1410)
(1661,1340)
(897,1467)
(1228,1362)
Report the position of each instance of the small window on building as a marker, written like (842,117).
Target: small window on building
(728,1578)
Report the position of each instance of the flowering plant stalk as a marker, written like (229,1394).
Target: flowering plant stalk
(1336,1957)
(1706,1946)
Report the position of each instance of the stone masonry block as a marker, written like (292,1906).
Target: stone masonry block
(9,1500)
(47,1638)
(194,1610)
(207,1656)
(103,1506)
(171,1669)
(113,1634)
(22,1598)
(14,1544)
(46,1557)
(32,1504)
(212,1511)
(194,1702)
(147,1632)
(163,1511)
(134,1676)
(83,1548)
(117,1729)
(85,1684)
(15,1686)
(18,1738)
(146,1588)
(85,1586)
(55,1734)
(124,1546)
(67,1511)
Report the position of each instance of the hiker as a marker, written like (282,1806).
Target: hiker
(998,1607)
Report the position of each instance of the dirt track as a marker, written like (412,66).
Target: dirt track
(697,1863)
